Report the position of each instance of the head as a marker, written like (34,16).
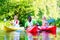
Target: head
(15,17)
(43,18)
(29,18)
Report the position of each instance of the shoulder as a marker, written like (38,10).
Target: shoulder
(17,20)
(26,22)
(34,21)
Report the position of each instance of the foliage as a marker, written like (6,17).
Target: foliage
(58,22)
(9,8)
(58,3)
(24,8)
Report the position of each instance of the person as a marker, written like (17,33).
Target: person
(30,23)
(15,23)
(45,35)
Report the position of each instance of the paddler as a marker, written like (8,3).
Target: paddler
(29,25)
(45,35)
(15,23)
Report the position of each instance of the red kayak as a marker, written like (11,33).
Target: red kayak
(52,30)
(34,30)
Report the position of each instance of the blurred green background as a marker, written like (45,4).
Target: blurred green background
(25,8)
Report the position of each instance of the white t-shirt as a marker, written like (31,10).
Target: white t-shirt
(16,23)
(30,24)
(45,22)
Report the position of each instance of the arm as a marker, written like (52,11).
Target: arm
(26,25)
(11,22)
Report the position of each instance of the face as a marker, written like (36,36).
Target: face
(29,19)
(15,17)
(44,18)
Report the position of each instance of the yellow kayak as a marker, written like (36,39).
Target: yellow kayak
(10,29)
(7,29)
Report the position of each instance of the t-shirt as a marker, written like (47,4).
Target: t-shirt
(16,23)
(45,22)
(30,24)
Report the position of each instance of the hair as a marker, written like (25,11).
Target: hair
(29,17)
(43,17)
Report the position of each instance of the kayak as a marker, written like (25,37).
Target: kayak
(10,29)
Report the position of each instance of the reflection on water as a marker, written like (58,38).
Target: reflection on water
(23,36)
(10,35)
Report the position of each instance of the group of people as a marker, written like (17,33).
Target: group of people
(28,25)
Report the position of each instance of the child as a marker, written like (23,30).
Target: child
(45,35)
(30,24)
(15,24)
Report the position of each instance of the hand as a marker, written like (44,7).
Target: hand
(11,22)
